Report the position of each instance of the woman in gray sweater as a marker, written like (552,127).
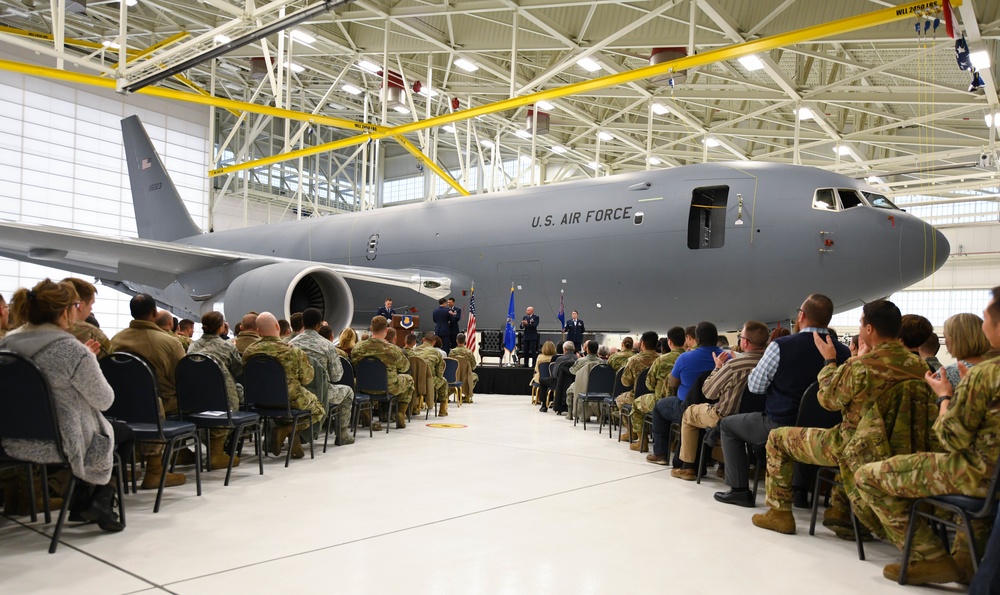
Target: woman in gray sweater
(79,393)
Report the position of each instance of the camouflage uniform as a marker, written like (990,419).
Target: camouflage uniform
(185,341)
(326,354)
(865,390)
(969,432)
(618,359)
(245,339)
(656,381)
(395,364)
(228,359)
(342,354)
(298,373)
(162,350)
(84,331)
(465,353)
(634,366)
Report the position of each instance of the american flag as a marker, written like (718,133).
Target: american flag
(470,331)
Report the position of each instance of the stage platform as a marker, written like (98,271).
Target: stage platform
(494,379)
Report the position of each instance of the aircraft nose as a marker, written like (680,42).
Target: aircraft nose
(942,248)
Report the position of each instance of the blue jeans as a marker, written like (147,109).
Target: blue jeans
(666,411)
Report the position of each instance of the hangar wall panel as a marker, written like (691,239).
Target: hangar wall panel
(62,163)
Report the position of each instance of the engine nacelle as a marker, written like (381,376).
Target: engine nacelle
(286,287)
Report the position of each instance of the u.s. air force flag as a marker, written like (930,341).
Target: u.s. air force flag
(509,334)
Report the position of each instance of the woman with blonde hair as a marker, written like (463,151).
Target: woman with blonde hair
(548,352)
(966,342)
(79,395)
(348,339)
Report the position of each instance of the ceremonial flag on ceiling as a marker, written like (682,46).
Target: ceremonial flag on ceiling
(509,334)
(470,331)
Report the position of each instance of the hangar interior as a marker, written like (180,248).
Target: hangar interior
(887,103)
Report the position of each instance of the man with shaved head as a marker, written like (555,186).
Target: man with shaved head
(248,332)
(298,373)
(396,364)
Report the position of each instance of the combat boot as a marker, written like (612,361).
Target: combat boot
(443,410)
(344,438)
(297,452)
(627,436)
(400,419)
(102,511)
(218,457)
(154,468)
(781,521)
(921,572)
(963,559)
(24,501)
(837,517)
(278,437)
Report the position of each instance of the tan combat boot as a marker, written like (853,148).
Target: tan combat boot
(297,452)
(278,437)
(781,521)
(154,468)
(963,559)
(218,457)
(443,410)
(921,572)
(400,419)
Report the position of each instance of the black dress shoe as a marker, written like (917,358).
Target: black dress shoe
(742,498)
(544,409)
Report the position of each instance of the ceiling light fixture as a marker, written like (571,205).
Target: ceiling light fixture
(296,68)
(804,113)
(368,66)
(605,135)
(842,150)
(222,39)
(989,120)
(487,143)
(711,143)
(751,62)
(655,161)
(300,35)
(559,149)
(448,128)
(522,133)
(466,65)
(659,109)
(401,109)
(545,105)
(349,88)
(589,64)
(980,60)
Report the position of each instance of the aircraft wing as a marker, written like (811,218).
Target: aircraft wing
(158,264)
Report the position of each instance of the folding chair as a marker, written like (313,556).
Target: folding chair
(451,377)
(202,399)
(600,383)
(137,405)
(608,404)
(373,384)
(266,394)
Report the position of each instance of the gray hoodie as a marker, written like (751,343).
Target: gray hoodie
(79,392)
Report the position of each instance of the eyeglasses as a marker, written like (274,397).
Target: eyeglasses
(800,310)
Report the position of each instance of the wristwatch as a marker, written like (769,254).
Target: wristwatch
(943,399)
(830,361)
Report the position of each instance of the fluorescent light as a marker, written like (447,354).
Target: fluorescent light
(659,109)
(466,65)
(335,106)
(110,44)
(401,109)
(842,150)
(874,180)
(559,149)
(805,113)
(605,135)
(448,128)
(655,161)
(368,66)
(594,165)
(545,105)
(711,142)
(222,39)
(296,68)
(751,62)
(989,120)
(131,2)
(522,133)
(589,64)
(487,143)
(300,35)
(427,91)
(980,60)
(349,88)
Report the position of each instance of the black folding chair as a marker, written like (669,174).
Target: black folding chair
(202,399)
(695,392)
(600,383)
(641,389)
(451,377)
(749,403)
(320,386)
(266,394)
(373,384)
(136,404)
(543,391)
(608,404)
(28,413)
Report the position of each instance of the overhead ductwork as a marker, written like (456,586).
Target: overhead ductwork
(287,287)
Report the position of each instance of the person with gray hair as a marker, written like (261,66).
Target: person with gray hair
(567,359)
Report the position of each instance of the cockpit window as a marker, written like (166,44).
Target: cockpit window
(879,201)
(849,198)
(825,200)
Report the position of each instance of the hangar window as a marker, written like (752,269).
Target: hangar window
(707,219)
(825,200)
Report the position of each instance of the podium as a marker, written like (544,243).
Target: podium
(411,325)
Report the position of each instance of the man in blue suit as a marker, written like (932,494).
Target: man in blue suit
(454,317)
(529,340)
(575,330)
(441,318)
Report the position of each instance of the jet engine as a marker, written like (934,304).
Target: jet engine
(286,287)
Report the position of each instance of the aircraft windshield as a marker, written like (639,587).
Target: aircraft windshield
(881,202)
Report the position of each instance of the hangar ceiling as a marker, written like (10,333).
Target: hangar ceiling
(886,102)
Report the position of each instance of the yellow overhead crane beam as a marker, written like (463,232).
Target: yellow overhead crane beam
(864,21)
(204,98)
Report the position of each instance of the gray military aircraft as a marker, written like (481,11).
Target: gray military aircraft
(725,242)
